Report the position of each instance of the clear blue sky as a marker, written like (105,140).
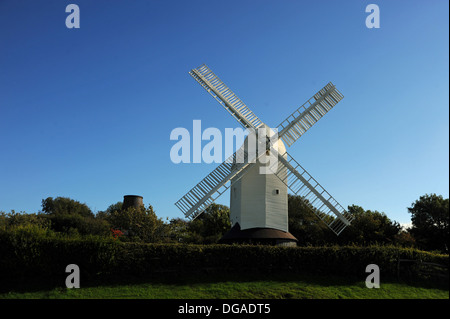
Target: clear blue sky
(87,113)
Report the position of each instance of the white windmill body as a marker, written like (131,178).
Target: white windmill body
(259,201)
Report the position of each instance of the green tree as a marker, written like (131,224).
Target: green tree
(304,224)
(179,230)
(20,224)
(369,227)
(430,218)
(138,224)
(111,208)
(210,226)
(13,219)
(65,206)
(405,239)
(73,218)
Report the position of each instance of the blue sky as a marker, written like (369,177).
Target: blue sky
(87,113)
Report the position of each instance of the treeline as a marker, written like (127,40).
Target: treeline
(67,218)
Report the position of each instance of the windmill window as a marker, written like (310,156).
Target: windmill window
(277,191)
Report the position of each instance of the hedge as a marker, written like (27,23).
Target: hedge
(23,257)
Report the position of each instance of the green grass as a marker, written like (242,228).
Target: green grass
(238,287)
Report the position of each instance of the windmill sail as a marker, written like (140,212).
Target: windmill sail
(291,173)
(308,114)
(219,91)
(202,195)
(301,183)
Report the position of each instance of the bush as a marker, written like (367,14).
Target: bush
(74,225)
(137,224)
(31,254)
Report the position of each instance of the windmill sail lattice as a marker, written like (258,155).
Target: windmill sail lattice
(300,182)
(202,195)
(288,170)
(308,114)
(222,94)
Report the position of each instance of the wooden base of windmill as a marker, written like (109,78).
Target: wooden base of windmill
(258,236)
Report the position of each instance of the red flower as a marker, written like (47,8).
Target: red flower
(116,233)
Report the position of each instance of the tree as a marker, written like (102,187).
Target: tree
(13,219)
(304,224)
(178,230)
(138,224)
(430,218)
(210,226)
(405,239)
(369,227)
(106,215)
(22,223)
(111,208)
(66,206)
(72,217)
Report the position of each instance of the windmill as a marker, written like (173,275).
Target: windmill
(258,202)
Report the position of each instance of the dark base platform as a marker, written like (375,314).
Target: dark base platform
(262,236)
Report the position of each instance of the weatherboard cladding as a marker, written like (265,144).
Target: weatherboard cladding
(255,201)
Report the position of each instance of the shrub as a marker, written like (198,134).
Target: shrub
(34,255)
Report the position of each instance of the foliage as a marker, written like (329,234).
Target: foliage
(14,220)
(65,217)
(178,230)
(120,242)
(210,226)
(138,224)
(405,239)
(33,254)
(78,225)
(369,227)
(430,219)
(65,206)
(111,208)
(72,218)
(304,224)
(116,233)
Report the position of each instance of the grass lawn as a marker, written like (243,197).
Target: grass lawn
(237,287)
